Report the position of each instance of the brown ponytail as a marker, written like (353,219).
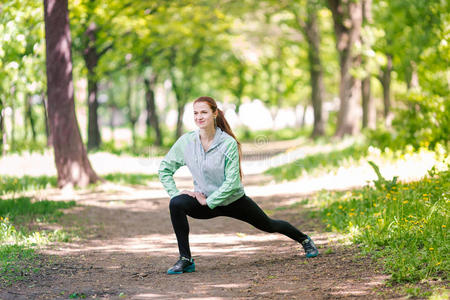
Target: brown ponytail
(222,123)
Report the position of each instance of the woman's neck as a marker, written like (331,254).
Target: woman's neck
(207,134)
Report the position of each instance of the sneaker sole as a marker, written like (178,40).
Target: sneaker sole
(311,255)
(189,269)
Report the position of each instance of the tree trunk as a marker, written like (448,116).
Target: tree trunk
(91,58)
(112,123)
(72,164)
(94,138)
(132,118)
(47,129)
(152,114)
(385,79)
(412,81)
(303,121)
(13,119)
(2,128)
(25,117)
(315,69)
(240,88)
(180,106)
(180,111)
(29,116)
(368,103)
(347,19)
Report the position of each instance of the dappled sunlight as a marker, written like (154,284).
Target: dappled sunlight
(409,168)
(358,287)
(203,244)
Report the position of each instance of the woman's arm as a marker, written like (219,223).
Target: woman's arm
(173,160)
(232,177)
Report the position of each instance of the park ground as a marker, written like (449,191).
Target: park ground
(124,244)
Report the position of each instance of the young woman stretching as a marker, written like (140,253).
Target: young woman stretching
(212,154)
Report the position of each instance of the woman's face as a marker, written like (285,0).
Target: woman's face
(203,115)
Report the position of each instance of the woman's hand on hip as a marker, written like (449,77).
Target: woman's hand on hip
(192,194)
(200,198)
(197,195)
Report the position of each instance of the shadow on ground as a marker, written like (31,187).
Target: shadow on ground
(128,244)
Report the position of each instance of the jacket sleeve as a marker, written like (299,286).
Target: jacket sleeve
(232,180)
(173,160)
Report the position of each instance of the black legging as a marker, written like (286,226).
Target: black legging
(244,209)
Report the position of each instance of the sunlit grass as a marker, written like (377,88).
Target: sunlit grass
(245,135)
(24,209)
(16,184)
(404,224)
(322,162)
(132,179)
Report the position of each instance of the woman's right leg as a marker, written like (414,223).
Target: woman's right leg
(182,206)
(245,209)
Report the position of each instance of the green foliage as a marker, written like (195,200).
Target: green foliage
(77,295)
(425,120)
(13,184)
(382,183)
(422,120)
(23,207)
(143,147)
(323,161)
(245,135)
(405,226)
(133,179)
(16,262)
(17,256)
(24,145)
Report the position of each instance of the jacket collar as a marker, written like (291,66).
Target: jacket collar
(216,141)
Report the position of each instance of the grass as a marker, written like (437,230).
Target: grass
(320,161)
(24,209)
(245,135)
(15,184)
(403,224)
(133,179)
(17,243)
(16,262)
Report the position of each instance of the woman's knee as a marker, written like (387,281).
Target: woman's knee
(178,202)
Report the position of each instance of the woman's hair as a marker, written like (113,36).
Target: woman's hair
(222,123)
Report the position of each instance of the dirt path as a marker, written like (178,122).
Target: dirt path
(127,245)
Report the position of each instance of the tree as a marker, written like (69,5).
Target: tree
(72,164)
(152,119)
(2,127)
(347,19)
(311,31)
(368,103)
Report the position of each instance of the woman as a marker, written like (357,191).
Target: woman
(213,155)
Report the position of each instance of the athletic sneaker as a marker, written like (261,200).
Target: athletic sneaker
(183,265)
(310,248)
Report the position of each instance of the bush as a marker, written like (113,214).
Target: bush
(404,224)
(421,120)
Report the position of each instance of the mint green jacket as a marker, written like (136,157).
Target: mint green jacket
(215,172)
